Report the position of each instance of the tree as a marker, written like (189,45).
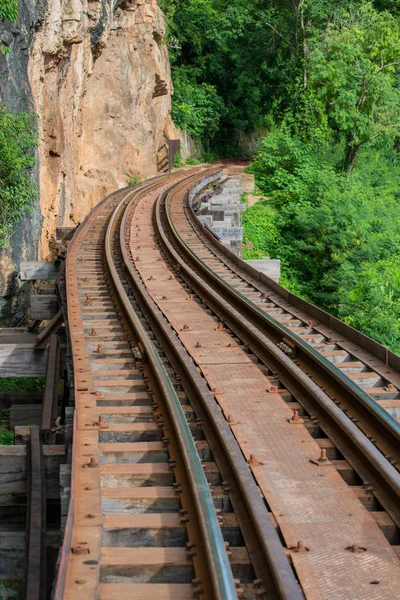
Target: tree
(353,74)
(197,107)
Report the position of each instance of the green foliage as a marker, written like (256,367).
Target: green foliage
(338,237)
(197,108)
(6,436)
(289,169)
(260,229)
(22,384)
(323,78)
(353,72)
(132,179)
(18,190)
(178,162)
(8,12)
(192,161)
(374,289)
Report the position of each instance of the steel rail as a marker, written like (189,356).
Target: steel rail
(384,423)
(389,426)
(367,460)
(218,562)
(61,582)
(282,574)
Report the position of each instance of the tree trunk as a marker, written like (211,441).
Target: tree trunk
(350,155)
(303,31)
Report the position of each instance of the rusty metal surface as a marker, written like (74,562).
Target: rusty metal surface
(312,504)
(111,382)
(75,578)
(270,563)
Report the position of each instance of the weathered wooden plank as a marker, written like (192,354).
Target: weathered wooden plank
(34,270)
(50,396)
(22,360)
(25,414)
(8,399)
(13,478)
(26,338)
(52,327)
(43,307)
(13,550)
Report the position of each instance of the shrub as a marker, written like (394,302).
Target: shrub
(18,189)
(132,179)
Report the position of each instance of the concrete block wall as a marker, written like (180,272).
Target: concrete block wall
(221,211)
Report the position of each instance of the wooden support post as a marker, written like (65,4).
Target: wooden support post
(36,521)
(51,328)
(50,396)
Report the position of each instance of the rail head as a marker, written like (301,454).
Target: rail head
(218,564)
(388,422)
(281,572)
(386,476)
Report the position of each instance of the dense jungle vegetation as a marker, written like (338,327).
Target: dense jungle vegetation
(321,80)
(18,139)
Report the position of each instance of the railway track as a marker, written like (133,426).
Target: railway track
(290,493)
(142,519)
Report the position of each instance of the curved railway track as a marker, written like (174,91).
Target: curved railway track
(208,462)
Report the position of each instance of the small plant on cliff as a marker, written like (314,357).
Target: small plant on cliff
(178,162)
(8,12)
(18,190)
(132,179)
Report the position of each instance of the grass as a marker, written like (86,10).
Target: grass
(132,179)
(22,384)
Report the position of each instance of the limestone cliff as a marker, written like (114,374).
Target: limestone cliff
(101,86)
(97,74)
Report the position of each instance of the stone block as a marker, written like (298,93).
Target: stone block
(269,266)
(234,234)
(226,198)
(226,222)
(207,220)
(231,183)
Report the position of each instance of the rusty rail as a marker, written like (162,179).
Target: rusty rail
(219,567)
(238,312)
(263,537)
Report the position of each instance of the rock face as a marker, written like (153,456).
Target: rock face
(97,74)
(15,92)
(101,85)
